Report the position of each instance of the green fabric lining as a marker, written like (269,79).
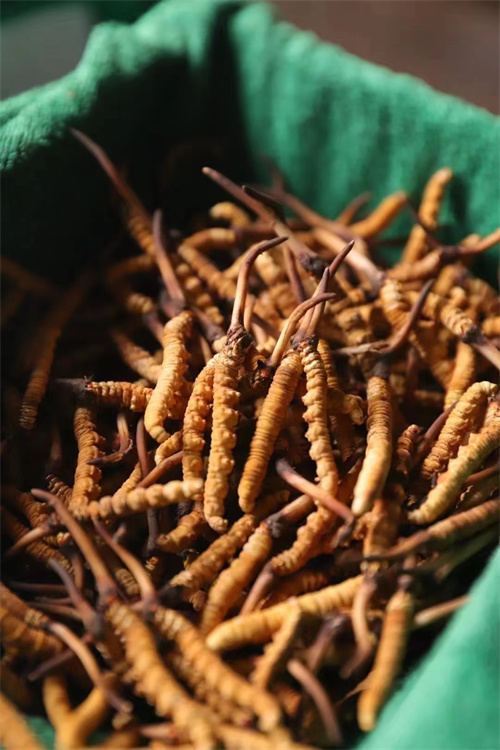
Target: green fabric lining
(336,126)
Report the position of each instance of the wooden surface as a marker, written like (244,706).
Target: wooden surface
(451,44)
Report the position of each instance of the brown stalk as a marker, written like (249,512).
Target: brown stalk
(148,592)
(89,663)
(172,285)
(431,435)
(289,327)
(315,689)
(243,277)
(104,582)
(437,612)
(120,184)
(301,484)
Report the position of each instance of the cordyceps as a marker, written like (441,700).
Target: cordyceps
(273,412)
(170,380)
(225,399)
(317,478)
(377,460)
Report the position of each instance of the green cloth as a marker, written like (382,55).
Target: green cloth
(101,10)
(336,126)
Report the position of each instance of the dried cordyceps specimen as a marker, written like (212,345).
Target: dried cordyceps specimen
(226,397)
(231,582)
(21,629)
(74,726)
(377,460)
(406,447)
(469,458)
(15,732)
(121,394)
(137,358)
(170,380)
(273,412)
(374,403)
(276,653)
(230,685)
(258,627)
(142,498)
(428,211)
(465,417)
(195,421)
(390,654)
(45,345)
(87,477)
(205,567)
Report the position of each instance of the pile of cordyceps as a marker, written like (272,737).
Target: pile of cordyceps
(248,473)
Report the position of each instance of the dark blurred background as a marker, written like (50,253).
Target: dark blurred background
(452,44)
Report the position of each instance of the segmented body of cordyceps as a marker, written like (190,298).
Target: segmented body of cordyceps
(478,493)
(302,582)
(215,280)
(121,394)
(406,447)
(15,732)
(316,415)
(317,525)
(137,358)
(381,216)
(338,401)
(377,461)
(38,550)
(464,373)
(275,279)
(277,651)
(120,287)
(446,533)
(354,322)
(184,535)
(417,243)
(143,498)
(25,503)
(59,488)
(469,459)
(268,427)
(225,710)
(74,725)
(173,626)
(341,424)
(224,422)
(172,445)
(13,685)
(87,477)
(230,212)
(259,627)
(195,422)
(153,680)
(388,660)
(170,381)
(466,416)
(21,629)
(45,346)
(232,581)
(482,295)
(195,292)
(205,567)
(235,738)
(396,308)
(140,229)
